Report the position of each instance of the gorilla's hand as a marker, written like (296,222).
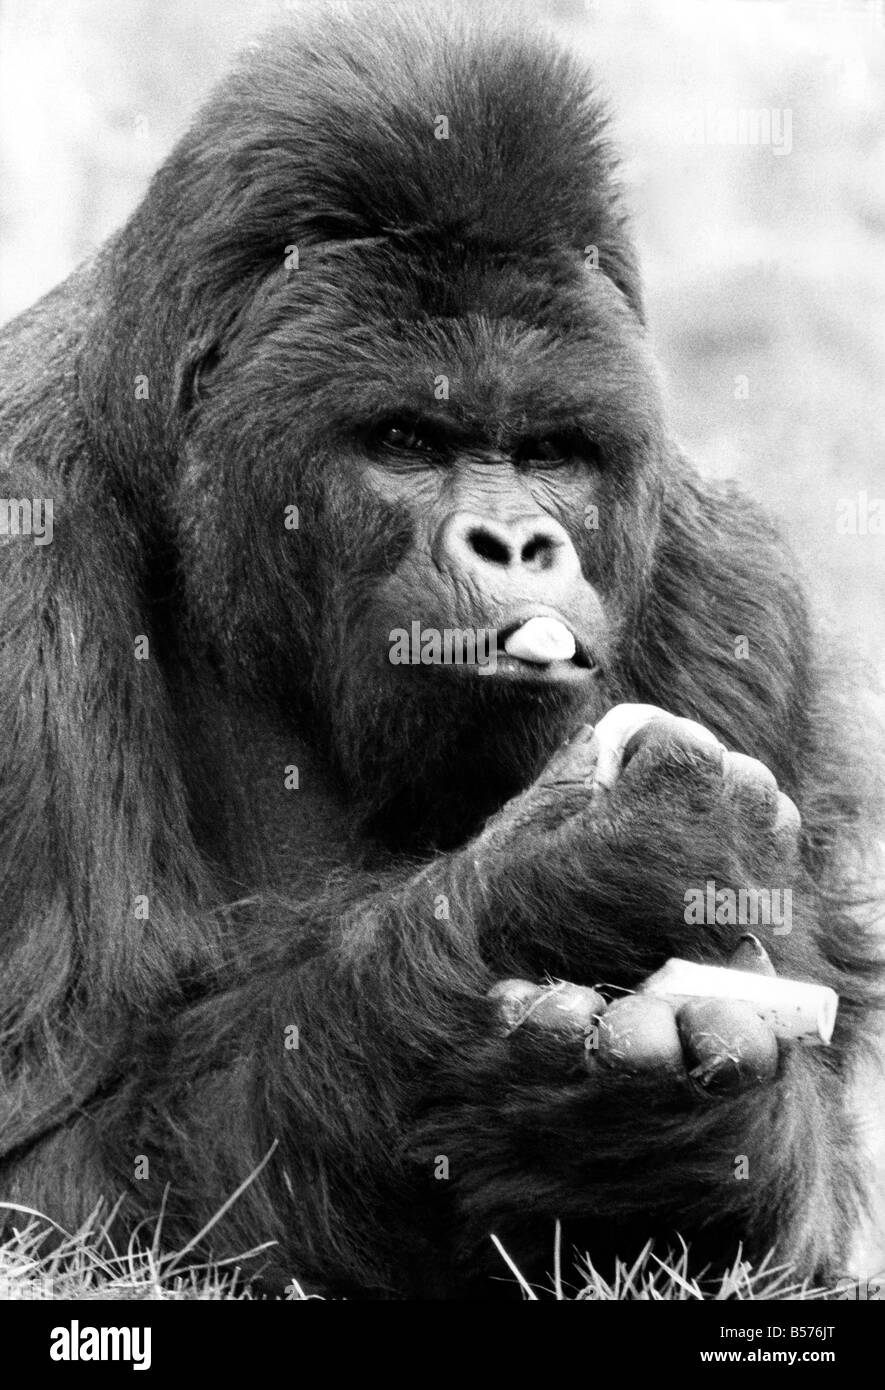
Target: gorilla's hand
(629,823)
(642,765)
(718,1046)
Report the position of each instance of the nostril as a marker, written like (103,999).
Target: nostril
(538,552)
(488,547)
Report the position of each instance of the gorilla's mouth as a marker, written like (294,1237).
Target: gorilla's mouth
(577,671)
(540,649)
(537,648)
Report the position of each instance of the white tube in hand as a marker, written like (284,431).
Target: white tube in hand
(795,1010)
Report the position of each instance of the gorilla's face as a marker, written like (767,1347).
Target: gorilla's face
(475,461)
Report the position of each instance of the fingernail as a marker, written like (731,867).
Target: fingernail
(751,955)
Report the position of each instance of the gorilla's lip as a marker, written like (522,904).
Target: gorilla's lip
(513,668)
(578,670)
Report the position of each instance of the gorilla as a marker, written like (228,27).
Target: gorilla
(323,877)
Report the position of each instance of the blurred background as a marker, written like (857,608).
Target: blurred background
(764,262)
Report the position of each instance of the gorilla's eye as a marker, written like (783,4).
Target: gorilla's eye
(405,437)
(563,446)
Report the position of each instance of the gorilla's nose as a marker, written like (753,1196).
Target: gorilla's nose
(526,552)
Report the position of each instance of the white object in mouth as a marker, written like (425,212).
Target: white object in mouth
(541,640)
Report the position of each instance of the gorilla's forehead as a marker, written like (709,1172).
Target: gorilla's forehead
(421,275)
(485,373)
(483,338)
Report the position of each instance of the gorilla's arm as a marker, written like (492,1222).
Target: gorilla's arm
(402,1061)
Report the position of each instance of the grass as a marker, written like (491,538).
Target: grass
(86,1264)
(42,1261)
(651,1279)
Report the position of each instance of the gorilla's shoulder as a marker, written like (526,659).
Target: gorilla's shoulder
(38,347)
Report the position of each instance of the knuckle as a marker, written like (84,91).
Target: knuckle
(675,760)
(744,770)
(752,785)
(788,820)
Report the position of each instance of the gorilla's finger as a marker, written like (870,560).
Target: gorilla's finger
(613,733)
(728,1047)
(574,761)
(566,1007)
(514,998)
(638,1034)
(788,821)
(676,758)
(752,787)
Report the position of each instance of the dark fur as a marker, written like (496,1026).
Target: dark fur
(120,778)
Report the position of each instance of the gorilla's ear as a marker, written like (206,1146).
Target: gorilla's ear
(195,367)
